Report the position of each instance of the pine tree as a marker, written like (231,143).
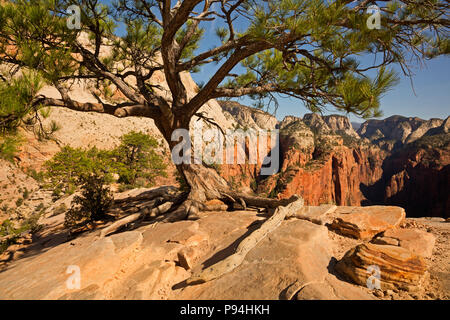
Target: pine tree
(306,49)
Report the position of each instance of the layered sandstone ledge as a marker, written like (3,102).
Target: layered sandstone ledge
(313,255)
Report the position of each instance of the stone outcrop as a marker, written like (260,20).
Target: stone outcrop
(399,161)
(296,260)
(248,117)
(315,122)
(365,222)
(153,261)
(316,214)
(423,129)
(321,166)
(398,267)
(395,129)
(417,178)
(340,124)
(417,241)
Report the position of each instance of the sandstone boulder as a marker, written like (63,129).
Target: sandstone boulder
(417,241)
(292,258)
(365,222)
(316,214)
(398,267)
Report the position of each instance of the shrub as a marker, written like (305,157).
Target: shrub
(19,202)
(25,194)
(17,108)
(93,202)
(16,98)
(8,229)
(136,158)
(9,144)
(70,164)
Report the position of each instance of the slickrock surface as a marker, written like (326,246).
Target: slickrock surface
(299,260)
(316,214)
(399,268)
(417,241)
(152,262)
(365,222)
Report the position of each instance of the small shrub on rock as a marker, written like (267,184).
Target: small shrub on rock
(137,160)
(92,204)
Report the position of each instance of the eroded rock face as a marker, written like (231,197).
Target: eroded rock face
(340,124)
(249,117)
(423,129)
(398,267)
(417,241)
(395,128)
(321,165)
(316,122)
(418,178)
(365,222)
(153,261)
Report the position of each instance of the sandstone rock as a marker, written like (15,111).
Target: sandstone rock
(395,128)
(418,178)
(417,241)
(340,124)
(383,240)
(399,268)
(295,253)
(249,117)
(316,122)
(423,129)
(188,257)
(214,205)
(365,222)
(316,214)
(332,289)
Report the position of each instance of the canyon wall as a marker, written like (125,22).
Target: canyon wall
(398,161)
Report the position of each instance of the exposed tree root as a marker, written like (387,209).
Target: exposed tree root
(118,224)
(165,204)
(234,260)
(254,201)
(157,202)
(296,287)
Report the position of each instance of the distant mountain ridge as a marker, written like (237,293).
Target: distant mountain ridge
(396,131)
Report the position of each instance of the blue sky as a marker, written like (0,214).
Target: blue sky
(429,99)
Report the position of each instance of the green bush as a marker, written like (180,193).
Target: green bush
(19,202)
(136,159)
(70,164)
(16,96)
(93,202)
(9,144)
(7,228)
(17,108)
